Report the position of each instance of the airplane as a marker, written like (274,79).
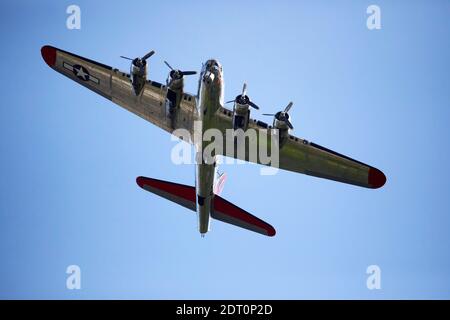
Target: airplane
(169,107)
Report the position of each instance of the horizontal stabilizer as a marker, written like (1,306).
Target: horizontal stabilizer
(221,209)
(225,211)
(179,193)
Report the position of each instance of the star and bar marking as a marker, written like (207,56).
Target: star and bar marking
(81,72)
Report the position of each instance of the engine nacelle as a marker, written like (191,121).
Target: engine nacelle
(241,116)
(138,74)
(175,82)
(175,86)
(280,123)
(241,110)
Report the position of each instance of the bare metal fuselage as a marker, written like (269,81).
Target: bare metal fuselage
(210,96)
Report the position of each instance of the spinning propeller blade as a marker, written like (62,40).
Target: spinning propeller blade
(182,73)
(148,55)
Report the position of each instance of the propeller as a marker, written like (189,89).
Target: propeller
(178,74)
(243,98)
(140,61)
(283,116)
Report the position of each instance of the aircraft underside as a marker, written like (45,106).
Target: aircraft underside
(170,108)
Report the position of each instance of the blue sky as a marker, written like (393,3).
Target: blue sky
(69,158)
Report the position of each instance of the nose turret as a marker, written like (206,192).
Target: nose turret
(213,65)
(208,77)
(211,71)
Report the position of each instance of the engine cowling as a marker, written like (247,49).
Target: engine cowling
(175,79)
(138,72)
(241,109)
(241,113)
(279,122)
(282,123)
(283,128)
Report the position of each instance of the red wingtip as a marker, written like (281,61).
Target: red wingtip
(49,55)
(271,232)
(377,179)
(140,181)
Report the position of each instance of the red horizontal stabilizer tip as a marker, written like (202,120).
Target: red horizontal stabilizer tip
(225,211)
(173,189)
(377,179)
(49,55)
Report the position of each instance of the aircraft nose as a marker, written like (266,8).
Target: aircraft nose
(215,70)
(208,78)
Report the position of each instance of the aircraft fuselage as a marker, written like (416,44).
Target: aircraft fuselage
(210,96)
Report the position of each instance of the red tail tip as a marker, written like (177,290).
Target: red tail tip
(49,55)
(376,179)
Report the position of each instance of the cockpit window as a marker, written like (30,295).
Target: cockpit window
(212,63)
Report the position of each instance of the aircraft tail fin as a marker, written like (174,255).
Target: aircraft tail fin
(219,183)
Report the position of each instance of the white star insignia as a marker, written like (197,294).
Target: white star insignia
(81,73)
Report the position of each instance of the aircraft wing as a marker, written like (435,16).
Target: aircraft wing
(302,156)
(116,86)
